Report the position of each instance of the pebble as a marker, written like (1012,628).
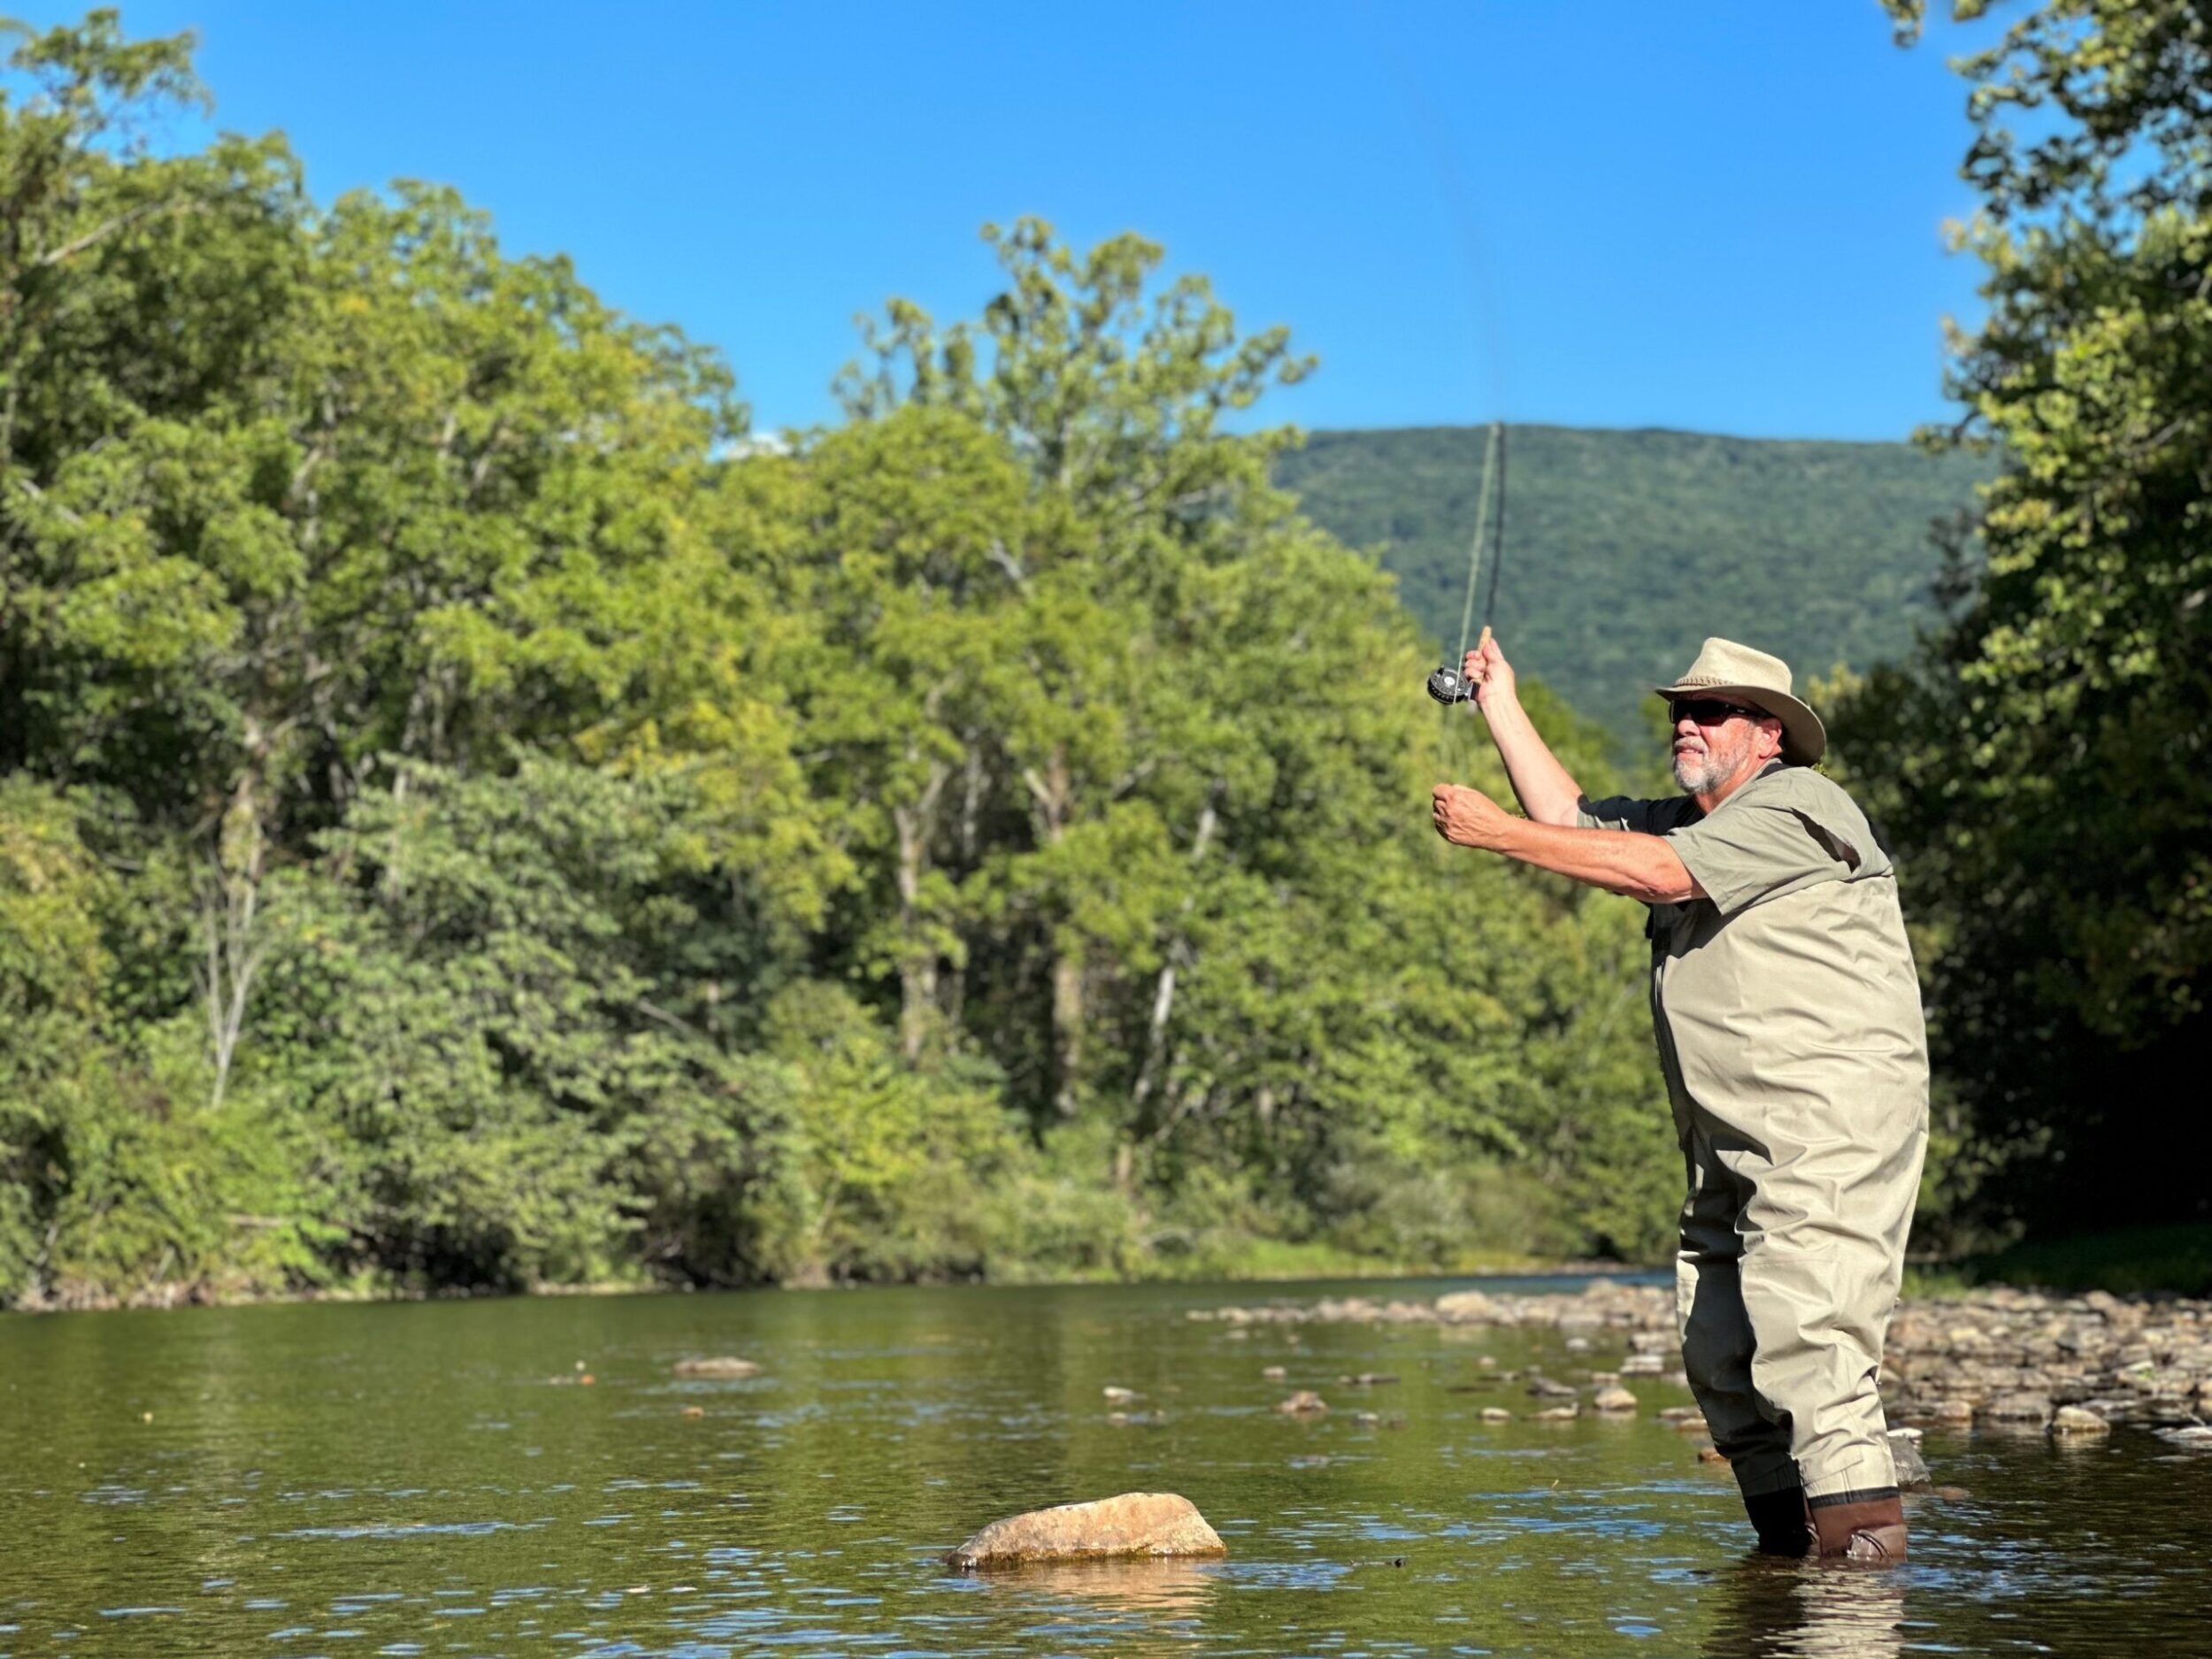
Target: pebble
(1116,1396)
(1615,1400)
(1274,1373)
(1497,1414)
(1304,1404)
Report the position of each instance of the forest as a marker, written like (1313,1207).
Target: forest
(473,817)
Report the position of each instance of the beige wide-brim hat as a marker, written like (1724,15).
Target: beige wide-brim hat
(1726,668)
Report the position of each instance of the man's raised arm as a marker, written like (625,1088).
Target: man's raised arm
(1545,790)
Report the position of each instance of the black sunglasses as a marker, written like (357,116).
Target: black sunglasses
(1710,710)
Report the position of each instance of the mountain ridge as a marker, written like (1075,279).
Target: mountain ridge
(1625,547)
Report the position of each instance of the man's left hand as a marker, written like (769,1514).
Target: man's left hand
(1467,818)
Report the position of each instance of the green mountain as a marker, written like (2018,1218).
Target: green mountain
(1625,550)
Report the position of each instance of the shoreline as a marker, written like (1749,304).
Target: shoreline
(174,1295)
(1997,1358)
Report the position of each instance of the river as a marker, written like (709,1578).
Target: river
(528,1476)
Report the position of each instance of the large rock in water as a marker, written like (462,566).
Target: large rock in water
(1134,1523)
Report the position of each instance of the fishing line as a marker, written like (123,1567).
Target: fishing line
(1447,685)
(1474,552)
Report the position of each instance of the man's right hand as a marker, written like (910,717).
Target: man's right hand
(1547,791)
(1486,670)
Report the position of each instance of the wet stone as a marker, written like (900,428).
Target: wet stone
(2023,1406)
(1134,1523)
(2077,1420)
(1912,1468)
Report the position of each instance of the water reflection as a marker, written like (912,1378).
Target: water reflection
(1782,1609)
(1141,1608)
(1177,1588)
(405,1473)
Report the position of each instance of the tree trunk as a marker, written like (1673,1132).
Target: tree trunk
(918,955)
(231,947)
(1054,792)
(1163,993)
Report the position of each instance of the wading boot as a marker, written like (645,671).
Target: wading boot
(1861,1526)
(1781,1522)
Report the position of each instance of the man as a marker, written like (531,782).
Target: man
(1788,1019)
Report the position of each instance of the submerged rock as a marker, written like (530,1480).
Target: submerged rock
(1118,1396)
(2196,1436)
(1912,1468)
(1497,1414)
(1615,1399)
(722,1365)
(1134,1523)
(1304,1404)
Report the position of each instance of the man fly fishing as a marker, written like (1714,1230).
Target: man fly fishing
(1788,1019)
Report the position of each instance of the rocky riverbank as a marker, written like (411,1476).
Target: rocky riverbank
(2002,1359)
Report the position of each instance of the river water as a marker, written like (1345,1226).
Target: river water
(440,1479)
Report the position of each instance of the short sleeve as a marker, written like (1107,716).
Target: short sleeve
(1759,849)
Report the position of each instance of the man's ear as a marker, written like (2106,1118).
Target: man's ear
(1770,737)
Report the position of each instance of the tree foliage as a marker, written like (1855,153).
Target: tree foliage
(471,819)
(2043,759)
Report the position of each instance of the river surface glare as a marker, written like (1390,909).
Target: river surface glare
(440,1479)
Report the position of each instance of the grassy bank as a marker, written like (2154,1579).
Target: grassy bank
(2131,1261)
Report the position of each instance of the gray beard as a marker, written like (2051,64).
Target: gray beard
(1698,772)
(1694,773)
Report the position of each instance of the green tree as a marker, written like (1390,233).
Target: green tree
(1211,937)
(2043,760)
(469,819)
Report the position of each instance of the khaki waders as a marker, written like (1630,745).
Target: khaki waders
(1788,1019)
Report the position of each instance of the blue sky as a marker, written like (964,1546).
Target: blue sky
(1720,216)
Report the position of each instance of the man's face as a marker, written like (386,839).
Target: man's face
(1715,739)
